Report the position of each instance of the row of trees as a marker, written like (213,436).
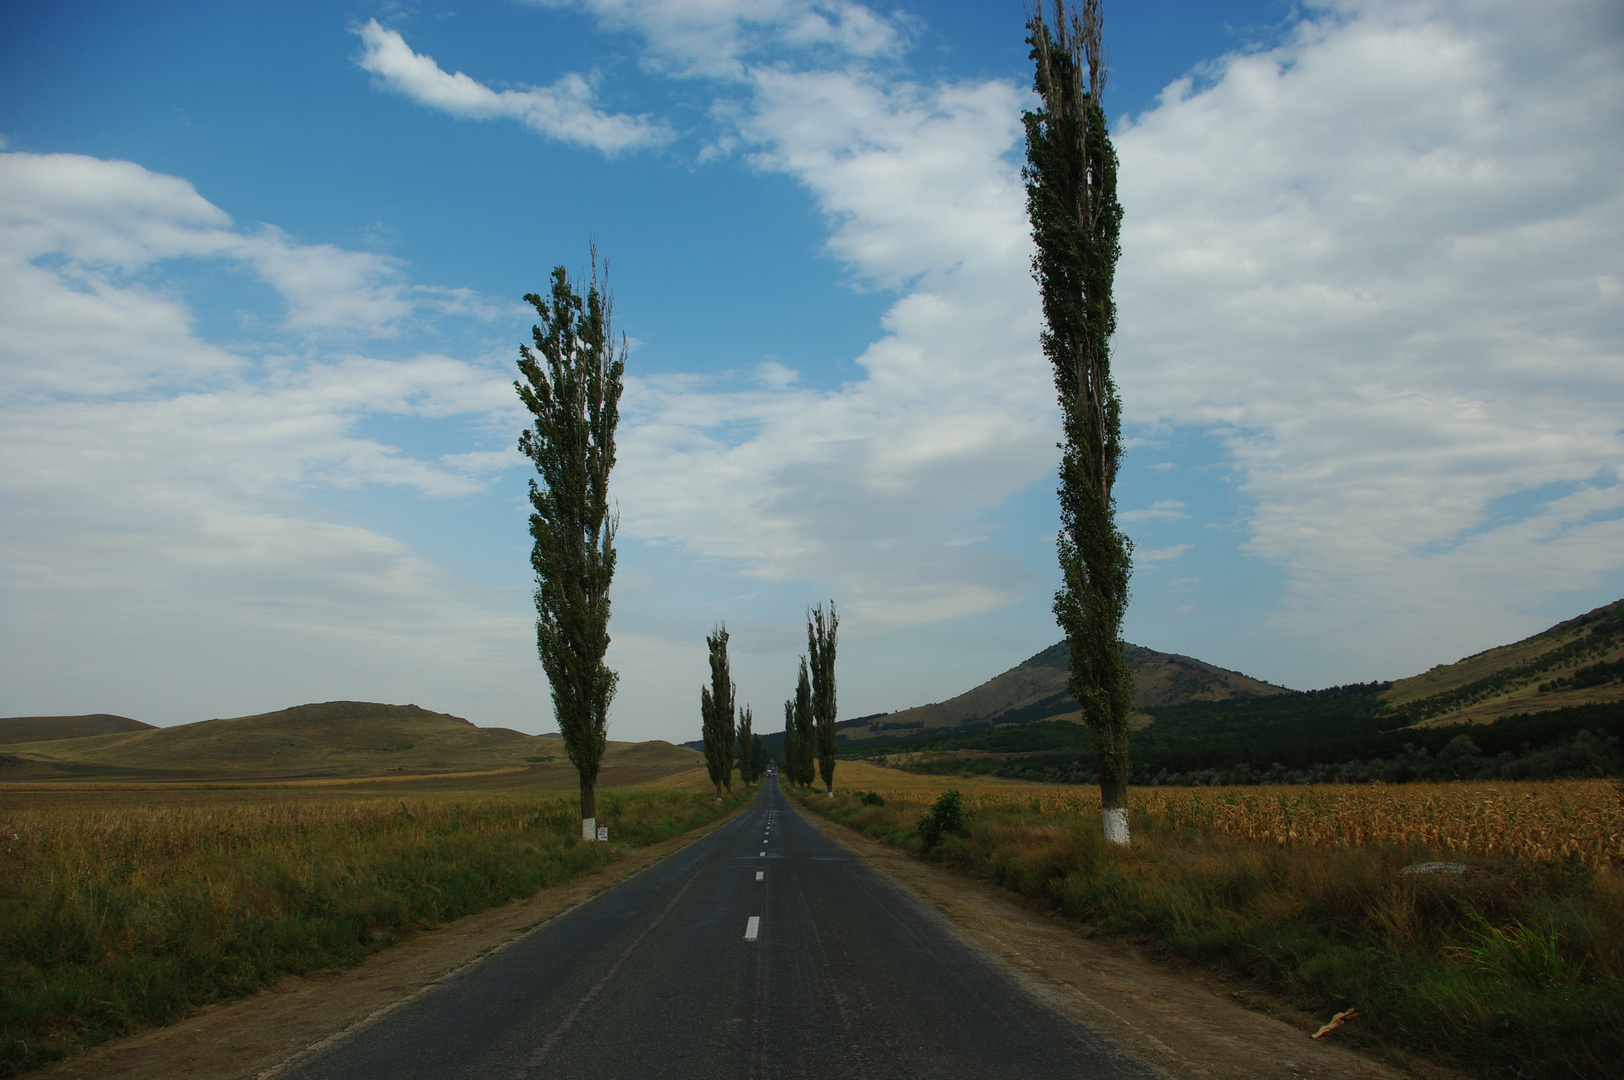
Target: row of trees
(572,384)
(809,716)
(729,738)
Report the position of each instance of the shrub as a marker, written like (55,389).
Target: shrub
(945,818)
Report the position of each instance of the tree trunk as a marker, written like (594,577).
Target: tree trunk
(589,810)
(1114,802)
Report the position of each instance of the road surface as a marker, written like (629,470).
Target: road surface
(761,950)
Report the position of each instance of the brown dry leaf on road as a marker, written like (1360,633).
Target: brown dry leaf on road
(1335,1022)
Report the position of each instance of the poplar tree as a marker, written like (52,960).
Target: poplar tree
(821,631)
(746,748)
(716,710)
(571,384)
(1072,203)
(805,736)
(758,755)
(792,745)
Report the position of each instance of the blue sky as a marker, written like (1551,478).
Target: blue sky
(261,302)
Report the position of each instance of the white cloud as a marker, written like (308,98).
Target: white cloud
(81,241)
(1380,260)
(716,38)
(1165,510)
(1166,554)
(1371,256)
(869,488)
(156,526)
(563,111)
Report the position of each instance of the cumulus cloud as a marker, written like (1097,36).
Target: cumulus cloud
(1378,259)
(869,487)
(1165,510)
(154,483)
(563,111)
(80,237)
(1373,256)
(719,38)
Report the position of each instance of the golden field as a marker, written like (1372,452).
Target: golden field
(1544,821)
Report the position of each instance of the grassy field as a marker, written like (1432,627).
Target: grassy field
(1513,969)
(123,906)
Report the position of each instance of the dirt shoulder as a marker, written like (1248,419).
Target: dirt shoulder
(258,1035)
(1190,1023)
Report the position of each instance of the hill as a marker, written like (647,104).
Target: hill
(1035,689)
(1549,705)
(1574,663)
(335,738)
(23,729)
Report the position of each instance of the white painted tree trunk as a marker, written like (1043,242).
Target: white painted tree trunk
(1116,825)
(589,829)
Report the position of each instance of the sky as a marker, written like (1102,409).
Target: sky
(261,269)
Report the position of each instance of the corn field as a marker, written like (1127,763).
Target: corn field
(1539,821)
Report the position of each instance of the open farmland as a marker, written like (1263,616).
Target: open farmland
(126,905)
(1582,820)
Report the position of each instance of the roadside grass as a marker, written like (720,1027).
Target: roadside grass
(1512,970)
(114,917)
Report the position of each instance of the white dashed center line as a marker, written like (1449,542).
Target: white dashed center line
(752,928)
(760,874)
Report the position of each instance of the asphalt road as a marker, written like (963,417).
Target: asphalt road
(847,975)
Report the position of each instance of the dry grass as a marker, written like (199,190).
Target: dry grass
(123,908)
(1547,821)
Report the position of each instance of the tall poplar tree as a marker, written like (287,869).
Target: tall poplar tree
(1076,220)
(716,710)
(821,631)
(805,735)
(746,748)
(571,384)
(758,755)
(790,770)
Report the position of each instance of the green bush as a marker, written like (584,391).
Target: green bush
(946,818)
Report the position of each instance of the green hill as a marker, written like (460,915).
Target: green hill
(1574,663)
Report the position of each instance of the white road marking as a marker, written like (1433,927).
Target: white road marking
(763,855)
(760,874)
(752,928)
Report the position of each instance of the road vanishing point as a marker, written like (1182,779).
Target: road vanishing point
(764,950)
